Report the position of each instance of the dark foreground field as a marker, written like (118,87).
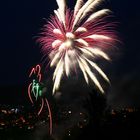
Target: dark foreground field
(19,120)
(17,124)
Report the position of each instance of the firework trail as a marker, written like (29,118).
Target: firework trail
(76,38)
(36,89)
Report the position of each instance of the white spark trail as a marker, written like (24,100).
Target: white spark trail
(56,43)
(58,15)
(81,29)
(82,41)
(57,31)
(91,75)
(90,8)
(55,59)
(83,71)
(57,68)
(96,37)
(80,12)
(67,64)
(78,5)
(94,65)
(58,77)
(98,14)
(62,9)
(86,52)
(98,52)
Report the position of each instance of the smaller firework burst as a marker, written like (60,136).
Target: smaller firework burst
(36,89)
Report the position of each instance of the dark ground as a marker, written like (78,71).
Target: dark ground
(97,121)
(117,127)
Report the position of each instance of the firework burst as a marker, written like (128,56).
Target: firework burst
(36,90)
(76,38)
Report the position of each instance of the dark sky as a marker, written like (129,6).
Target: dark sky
(21,21)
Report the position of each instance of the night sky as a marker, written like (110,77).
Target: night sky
(21,22)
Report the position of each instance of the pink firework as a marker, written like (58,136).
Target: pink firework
(76,38)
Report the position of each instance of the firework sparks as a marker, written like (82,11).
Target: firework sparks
(77,38)
(36,89)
